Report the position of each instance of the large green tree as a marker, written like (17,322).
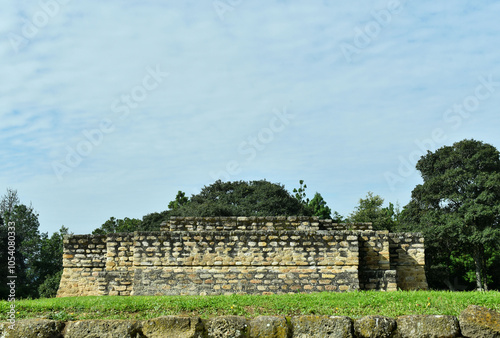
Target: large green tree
(49,266)
(240,198)
(27,245)
(457,206)
(38,257)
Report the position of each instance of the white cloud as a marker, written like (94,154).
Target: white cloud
(353,121)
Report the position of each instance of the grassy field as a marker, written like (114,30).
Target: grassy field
(352,304)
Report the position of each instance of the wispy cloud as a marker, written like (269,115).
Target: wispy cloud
(353,120)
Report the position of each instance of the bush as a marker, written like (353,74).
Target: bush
(48,289)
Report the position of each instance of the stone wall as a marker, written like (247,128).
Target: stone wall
(408,259)
(84,258)
(224,255)
(475,321)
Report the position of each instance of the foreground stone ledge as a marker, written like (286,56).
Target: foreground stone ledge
(268,326)
(102,329)
(427,326)
(477,321)
(322,326)
(474,322)
(33,328)
(227,326)
(172,327)
(374,327)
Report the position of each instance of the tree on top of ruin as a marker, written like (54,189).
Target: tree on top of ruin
(240,198)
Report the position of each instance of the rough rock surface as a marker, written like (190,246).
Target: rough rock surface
(481,322)
(228,326)
(102,329)
(31,328)
(426,326)
(322,326)
(374,327)
(269,327)
(172,327)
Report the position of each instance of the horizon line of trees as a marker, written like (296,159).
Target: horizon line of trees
(456,208)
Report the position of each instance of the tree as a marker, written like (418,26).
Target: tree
(9,201)
(319,208)
(239,198)
(300,193)
(49,287)
(457,207)
(153,221)
(38,257)
(370,210)
(113,225)
(49,266)
(179,201)
(27,244)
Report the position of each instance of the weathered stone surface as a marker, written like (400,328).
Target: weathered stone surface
(478,321)
(426,326)
(321,326)
(172,327)
(269,327)
(251,255)
(374,327)
(102,329)
(33,328)
(227,326)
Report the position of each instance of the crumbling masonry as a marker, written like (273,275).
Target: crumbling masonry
(255,255)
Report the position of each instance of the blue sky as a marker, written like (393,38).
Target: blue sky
(109,108)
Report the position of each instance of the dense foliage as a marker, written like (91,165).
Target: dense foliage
(457,208)
(37,256)
(370,210)
(240,198)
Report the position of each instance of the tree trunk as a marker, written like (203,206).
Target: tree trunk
(449,285)
(485,275)
(478,261)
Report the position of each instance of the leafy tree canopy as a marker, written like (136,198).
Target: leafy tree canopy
(319,208)
(27,245)
(240,198)
(114,225)
(370,210)
(458,205)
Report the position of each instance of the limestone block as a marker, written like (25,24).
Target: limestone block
(32,328)
(172,327)
(321,326)
(228,326)
(102,329)
(374,327)
(427,326)
(477,321)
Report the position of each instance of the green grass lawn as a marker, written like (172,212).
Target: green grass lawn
(352,304)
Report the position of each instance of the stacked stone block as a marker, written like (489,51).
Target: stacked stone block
(374,268)
(408,259)
(245,262)
(84,256)
(224,255)
(241,223)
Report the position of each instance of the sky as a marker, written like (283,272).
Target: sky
(108,108)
